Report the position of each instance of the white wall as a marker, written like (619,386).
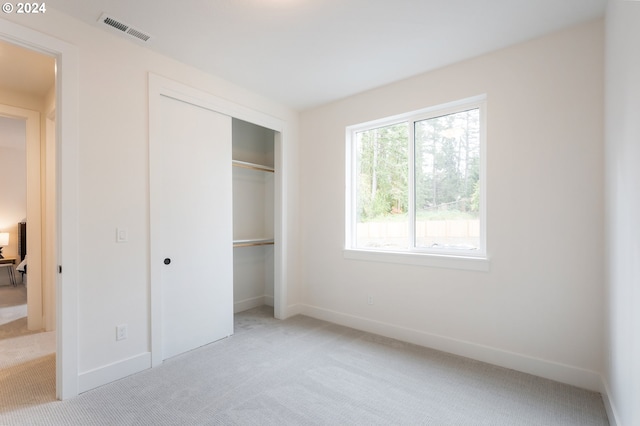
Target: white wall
(113,181)
(539,309)
(623,201)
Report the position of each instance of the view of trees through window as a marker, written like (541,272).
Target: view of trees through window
(383,186)
(445,188)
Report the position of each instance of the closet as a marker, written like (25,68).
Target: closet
(253,161)
(216,231)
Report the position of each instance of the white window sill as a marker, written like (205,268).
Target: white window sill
(467,263)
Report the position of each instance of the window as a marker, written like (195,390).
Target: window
(416,182)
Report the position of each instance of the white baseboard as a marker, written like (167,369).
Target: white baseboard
(568,374)
(609,405)
(293,310)
(112,372)
(268,300)
(253,302)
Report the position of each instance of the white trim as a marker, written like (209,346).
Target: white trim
(350,195)
(467,263)
(161,86)
(182,92)
(250,303)
(112,372)
(483,177)
(412,185)
(609,406)
(568,374)
(67,196)
(421,114)
(280,230)
(50,222)
(294,309)
(35,317)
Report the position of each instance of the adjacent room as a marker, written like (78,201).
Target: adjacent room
(27,218)
(310,212)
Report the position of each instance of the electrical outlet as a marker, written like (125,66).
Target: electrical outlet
(121,332)
(369,300)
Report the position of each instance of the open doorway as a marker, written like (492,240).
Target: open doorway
(27,212)
(67,246)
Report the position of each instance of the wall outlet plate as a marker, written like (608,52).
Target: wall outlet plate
(121,332)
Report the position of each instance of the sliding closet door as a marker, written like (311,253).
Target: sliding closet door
(192,217)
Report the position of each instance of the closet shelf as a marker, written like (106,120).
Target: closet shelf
(252,166)
(253,242)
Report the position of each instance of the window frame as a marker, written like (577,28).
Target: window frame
(457,259)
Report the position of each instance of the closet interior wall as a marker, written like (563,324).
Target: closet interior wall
(253,215)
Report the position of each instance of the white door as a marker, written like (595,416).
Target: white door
(193,226)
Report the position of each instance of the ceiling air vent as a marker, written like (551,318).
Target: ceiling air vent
(121,27)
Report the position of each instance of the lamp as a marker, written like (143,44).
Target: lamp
(4,241)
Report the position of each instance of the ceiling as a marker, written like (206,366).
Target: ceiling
(304,53)
(25,71)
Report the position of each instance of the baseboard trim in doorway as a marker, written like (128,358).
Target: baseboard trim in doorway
(112,372)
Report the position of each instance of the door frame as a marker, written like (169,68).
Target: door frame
(67,246)
(49,203)
(163,87)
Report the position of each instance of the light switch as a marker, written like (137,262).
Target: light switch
(122,236)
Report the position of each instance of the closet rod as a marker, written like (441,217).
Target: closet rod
(250,243)
(252,166)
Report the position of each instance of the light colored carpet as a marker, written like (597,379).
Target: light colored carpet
(13,307)
(302,371)
(27,358)
(12,296)
(13,322)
